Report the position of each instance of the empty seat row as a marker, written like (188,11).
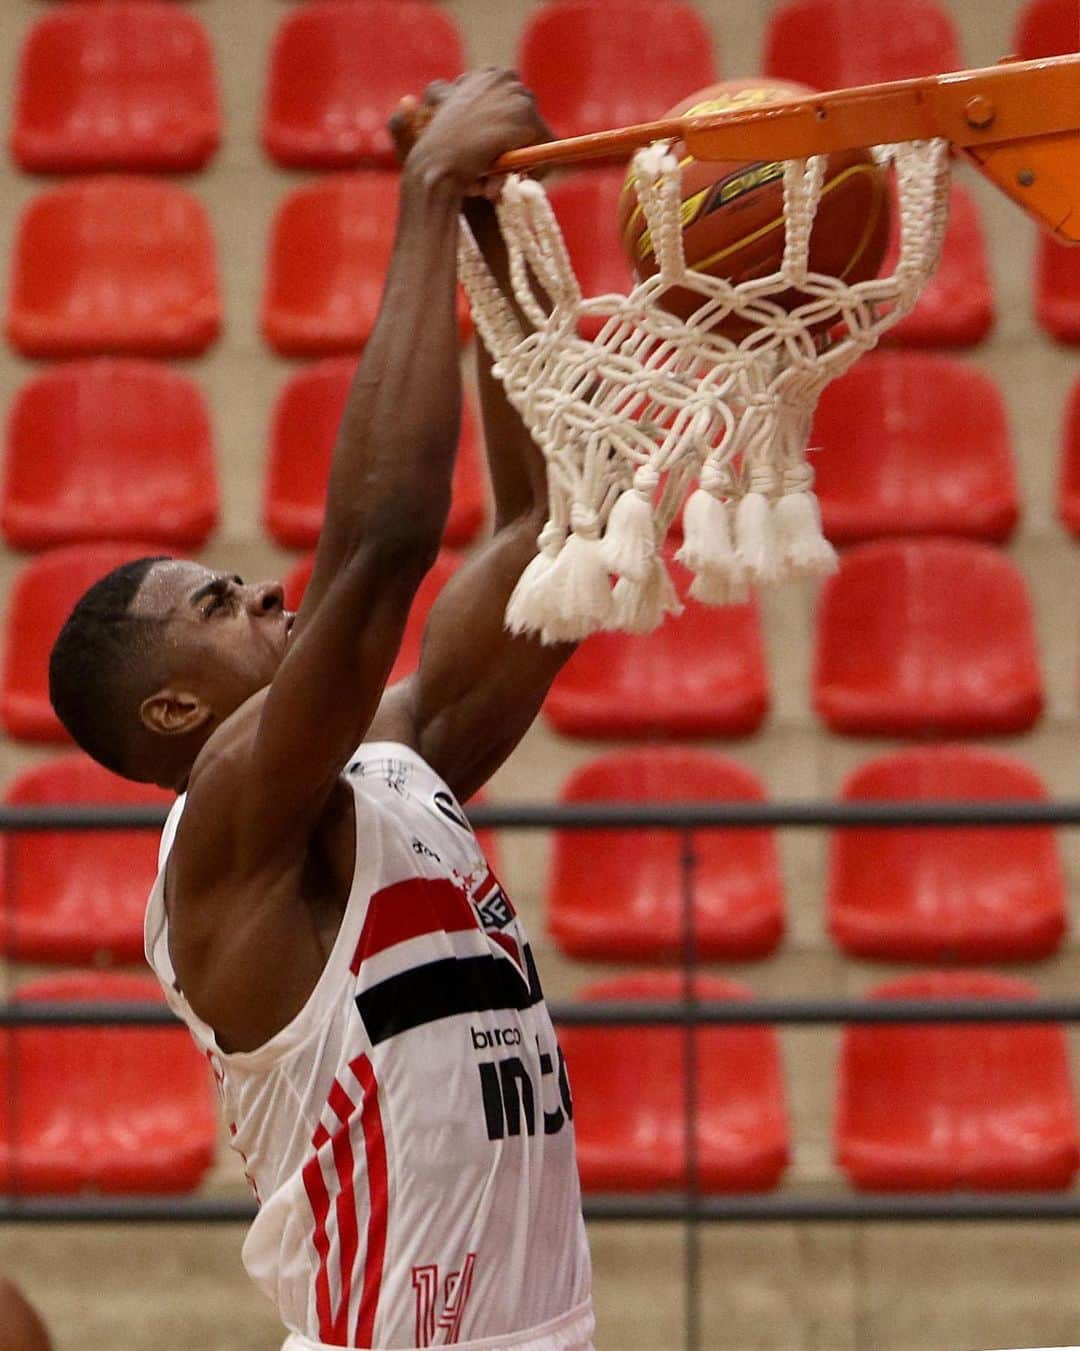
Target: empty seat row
(891,894)
(116,448)
(132,85)
(916,1107)
(918,894)
(128,265)
(121,449)
(103,1109)
(915,638)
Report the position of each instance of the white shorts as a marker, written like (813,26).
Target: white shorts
(569,1332)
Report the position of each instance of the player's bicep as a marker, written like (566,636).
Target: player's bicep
(479,687)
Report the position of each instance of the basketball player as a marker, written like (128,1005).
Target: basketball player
(323,919)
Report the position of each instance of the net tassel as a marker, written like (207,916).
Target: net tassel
(756,543)
(580,588)
(640,606)
(707,546)
(530,608)
(805,550)
(629,542)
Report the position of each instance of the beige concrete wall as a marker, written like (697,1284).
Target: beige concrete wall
(873,1288)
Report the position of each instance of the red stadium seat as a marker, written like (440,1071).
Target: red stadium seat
(329,250)
(1057,286)
(829,44)
(42,596)
(338,71)
(930,1108)
(116,86)
(913,444)
(76,896)
(103,1109)
(301,443)
(1069,480)
(926,637)
(587,205)
(113,265)
(611,903)
(957,307)
(108,449)
(629,1096)
(408,658)
(935,895)
(1047,28)
(699,675)
(576,54)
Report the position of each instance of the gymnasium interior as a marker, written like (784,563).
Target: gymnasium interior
(203,226)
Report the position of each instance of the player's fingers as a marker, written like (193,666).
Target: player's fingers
(402,127)
(437,92)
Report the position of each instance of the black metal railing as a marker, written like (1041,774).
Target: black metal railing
(690,1206)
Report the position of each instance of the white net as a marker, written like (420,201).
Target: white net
(657,407)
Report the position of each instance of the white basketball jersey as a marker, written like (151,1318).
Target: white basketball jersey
(408,1135)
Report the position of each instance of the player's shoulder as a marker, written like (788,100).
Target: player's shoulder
(214,791)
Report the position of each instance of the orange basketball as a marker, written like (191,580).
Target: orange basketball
(733,213)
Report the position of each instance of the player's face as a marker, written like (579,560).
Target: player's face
(224,639)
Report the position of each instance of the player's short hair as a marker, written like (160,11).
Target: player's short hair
(100,660)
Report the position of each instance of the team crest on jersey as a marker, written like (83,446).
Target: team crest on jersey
(496,914)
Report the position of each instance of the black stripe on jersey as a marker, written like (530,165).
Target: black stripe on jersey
(444,988)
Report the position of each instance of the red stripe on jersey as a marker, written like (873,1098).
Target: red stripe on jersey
(345,1208)
(488,884)
(319,1200)
(334,1329)
(378,1191)
(420,905)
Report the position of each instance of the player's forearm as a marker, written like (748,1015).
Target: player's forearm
(393,461)
(516,466)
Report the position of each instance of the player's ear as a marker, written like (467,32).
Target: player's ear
(172,712)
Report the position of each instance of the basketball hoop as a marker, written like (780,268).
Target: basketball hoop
(657,406)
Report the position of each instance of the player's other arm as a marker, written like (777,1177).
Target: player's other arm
(479,687)
(262,783)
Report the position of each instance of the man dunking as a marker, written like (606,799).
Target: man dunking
(323,918)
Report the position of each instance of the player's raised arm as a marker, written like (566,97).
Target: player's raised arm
(479,687)
(263,778)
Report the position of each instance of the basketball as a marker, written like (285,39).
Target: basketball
(733,213)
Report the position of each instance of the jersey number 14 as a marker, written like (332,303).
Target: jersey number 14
(429,1317)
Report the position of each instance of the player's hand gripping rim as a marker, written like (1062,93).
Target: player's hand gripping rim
(415,114)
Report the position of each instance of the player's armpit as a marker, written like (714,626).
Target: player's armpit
(479,687)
